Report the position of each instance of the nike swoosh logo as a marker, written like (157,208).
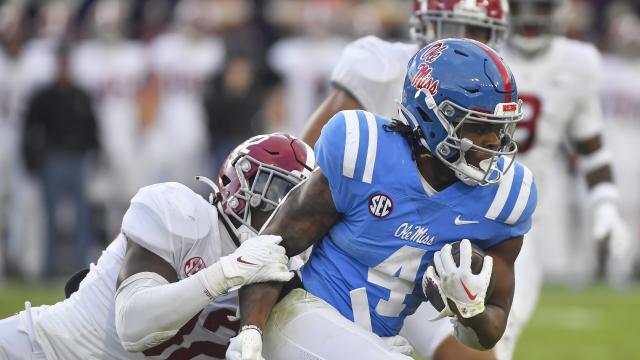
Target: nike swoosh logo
(240,260)
(459,221)
(469,294)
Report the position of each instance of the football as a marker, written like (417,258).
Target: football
(477,259)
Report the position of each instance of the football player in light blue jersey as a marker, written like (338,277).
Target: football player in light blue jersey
(390,195)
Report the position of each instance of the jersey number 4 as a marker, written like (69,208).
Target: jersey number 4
(397,273)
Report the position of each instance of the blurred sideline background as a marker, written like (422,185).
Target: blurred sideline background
(162,90)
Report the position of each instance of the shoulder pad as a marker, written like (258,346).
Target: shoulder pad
(515,198)
(373,70)
(180,211)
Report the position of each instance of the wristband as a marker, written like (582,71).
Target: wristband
(251,327)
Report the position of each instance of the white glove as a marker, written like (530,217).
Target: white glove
(399,344)
(430,276)
(458,283)
(246,346)
(258,259)
(608,224)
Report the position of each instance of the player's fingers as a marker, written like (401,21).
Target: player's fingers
(273,239)
(280,259)
(283,277)
(447,259)
(432,276)
(465,255)
(271,249)
(487,267)
(276,272)
(250,349)
(437,261)
(232,350)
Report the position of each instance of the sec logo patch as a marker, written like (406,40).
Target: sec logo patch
(380,205)
(193,265)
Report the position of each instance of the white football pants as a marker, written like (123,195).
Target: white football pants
(302,326)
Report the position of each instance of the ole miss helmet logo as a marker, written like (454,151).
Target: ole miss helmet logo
(193,265)
(380,205)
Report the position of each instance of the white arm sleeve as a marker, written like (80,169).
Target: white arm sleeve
(150,310)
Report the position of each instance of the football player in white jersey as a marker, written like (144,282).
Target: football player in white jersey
(369,76)
(161,288)
(565,104)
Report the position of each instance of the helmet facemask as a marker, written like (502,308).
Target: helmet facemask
(454,150)
(261,191)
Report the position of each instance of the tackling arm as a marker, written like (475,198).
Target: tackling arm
(148,288)
(304,217)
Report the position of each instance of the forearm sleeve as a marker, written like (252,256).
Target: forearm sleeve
(150,310)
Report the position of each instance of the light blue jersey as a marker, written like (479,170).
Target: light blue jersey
(370,265)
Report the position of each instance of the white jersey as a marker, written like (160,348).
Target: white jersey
(373,71)
(176,224)
(561,99)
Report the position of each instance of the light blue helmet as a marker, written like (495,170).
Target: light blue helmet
(454,82)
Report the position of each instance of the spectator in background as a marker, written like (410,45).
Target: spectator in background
(113,69)
(183,59)
(26,64)
(305,61)
(234,98)
(60,134)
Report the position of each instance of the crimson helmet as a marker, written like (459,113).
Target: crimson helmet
(258,174)
(483,20)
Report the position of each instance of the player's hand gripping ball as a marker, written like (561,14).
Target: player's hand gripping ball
(434,294)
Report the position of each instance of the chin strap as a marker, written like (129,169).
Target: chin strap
(215,198)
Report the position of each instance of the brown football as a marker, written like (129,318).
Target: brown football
(477,259)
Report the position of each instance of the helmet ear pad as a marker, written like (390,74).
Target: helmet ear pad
(433,129)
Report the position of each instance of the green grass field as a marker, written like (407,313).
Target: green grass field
(592,323)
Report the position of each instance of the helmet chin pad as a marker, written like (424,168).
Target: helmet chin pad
(486,173)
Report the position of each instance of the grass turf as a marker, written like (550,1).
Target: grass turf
(591,323)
